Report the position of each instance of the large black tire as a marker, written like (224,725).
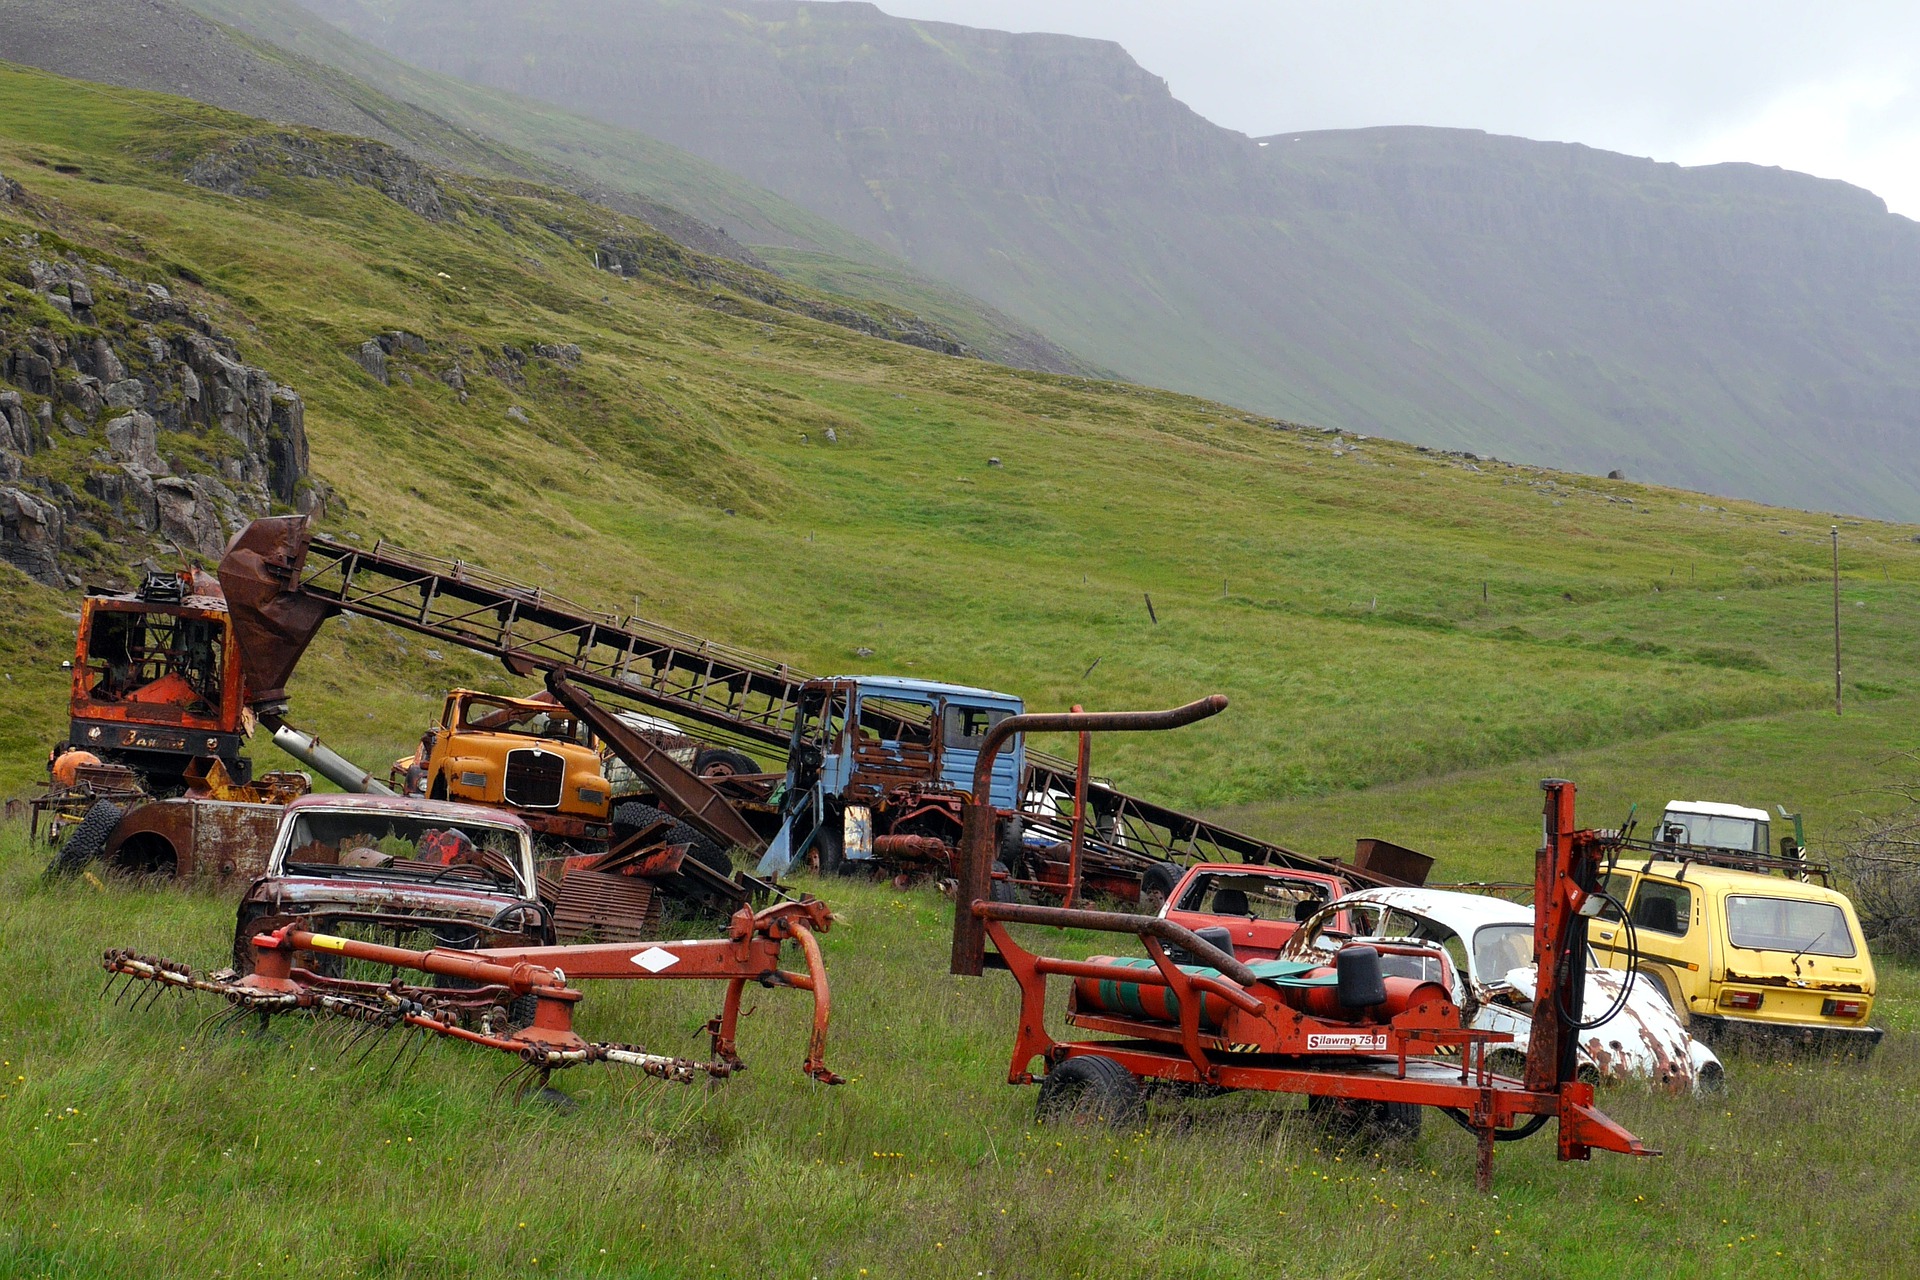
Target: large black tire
(1013,845)
(830,847)
(1159,880)
(718,762)
(631,815)
(1090,1087)
(1368,1123)
(88,840)
(1002,890)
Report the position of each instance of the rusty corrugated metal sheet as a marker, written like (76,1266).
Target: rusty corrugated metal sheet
(604,908)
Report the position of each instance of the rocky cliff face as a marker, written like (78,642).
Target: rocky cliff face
(129,425)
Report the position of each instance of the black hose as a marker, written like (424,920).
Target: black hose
(1527,1130)
(1626,988)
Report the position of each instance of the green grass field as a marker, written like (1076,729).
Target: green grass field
(140,1145)
(1410,641)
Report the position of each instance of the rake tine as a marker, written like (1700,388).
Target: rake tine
(519,1069)
(368,1051)
(394,1062)
(111,979)
(123,990)
(419,1051)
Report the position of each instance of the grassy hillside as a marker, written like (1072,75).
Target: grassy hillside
(1410,640)
(1728,328)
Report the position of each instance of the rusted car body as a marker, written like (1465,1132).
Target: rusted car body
(1490,942)
(1259,908)
(397,870)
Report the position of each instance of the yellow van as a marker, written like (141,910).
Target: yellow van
(1741,954)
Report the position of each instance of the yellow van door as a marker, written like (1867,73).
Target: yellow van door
(1604,933)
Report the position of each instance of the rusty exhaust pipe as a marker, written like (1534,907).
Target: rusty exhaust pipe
(977,817)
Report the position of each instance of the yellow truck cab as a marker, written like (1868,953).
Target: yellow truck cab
(525,754)
(1743,944)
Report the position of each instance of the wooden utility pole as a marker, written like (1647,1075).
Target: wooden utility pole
(1836,619)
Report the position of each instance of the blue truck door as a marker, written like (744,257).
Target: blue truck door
(964,727)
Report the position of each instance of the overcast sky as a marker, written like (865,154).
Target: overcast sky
(1829,89)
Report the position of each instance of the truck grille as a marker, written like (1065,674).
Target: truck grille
(534,779)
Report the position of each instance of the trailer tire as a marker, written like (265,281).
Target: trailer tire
(89,839)
(1002,890)
(631,815)
(1160,878)
(718,762)
(1356,1120)
(1089,1088)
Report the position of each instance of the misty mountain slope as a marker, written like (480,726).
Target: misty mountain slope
(1730,328)
(273,60)
(705,206)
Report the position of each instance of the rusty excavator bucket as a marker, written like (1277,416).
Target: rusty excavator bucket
(273,621)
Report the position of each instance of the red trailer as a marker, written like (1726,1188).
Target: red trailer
(1369,1039)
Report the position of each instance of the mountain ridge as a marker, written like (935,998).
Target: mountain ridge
(1365,279)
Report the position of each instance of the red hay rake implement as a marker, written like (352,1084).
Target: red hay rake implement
(500,982)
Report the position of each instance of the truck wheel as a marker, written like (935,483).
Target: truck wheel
(88,841)
(631,816)
(718,762)
(1090,1087)
(1002,890)
(1013,845)
(1159,879)
(830,848)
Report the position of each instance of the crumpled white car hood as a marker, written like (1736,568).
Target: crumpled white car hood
(1645,1039)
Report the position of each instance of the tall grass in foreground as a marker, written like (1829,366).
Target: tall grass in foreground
(137,1145)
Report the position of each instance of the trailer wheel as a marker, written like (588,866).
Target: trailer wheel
(1002,890)
(88,841)
(718,762)
(631,815)
(1090,1087)
(1357,1120)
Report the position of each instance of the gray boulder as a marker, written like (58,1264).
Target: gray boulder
(132,439)
(373,358)
(32,531)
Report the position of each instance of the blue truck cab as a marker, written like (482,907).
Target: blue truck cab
(882,758)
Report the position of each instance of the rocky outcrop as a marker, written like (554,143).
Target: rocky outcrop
(236,167)
(128,421)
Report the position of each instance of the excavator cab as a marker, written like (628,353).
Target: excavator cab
(156,680)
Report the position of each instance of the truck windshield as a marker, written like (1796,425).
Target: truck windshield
(492,716)
(413,846)
(1787,924)
(1711,831)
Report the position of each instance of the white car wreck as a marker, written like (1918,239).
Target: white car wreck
(1489,942)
